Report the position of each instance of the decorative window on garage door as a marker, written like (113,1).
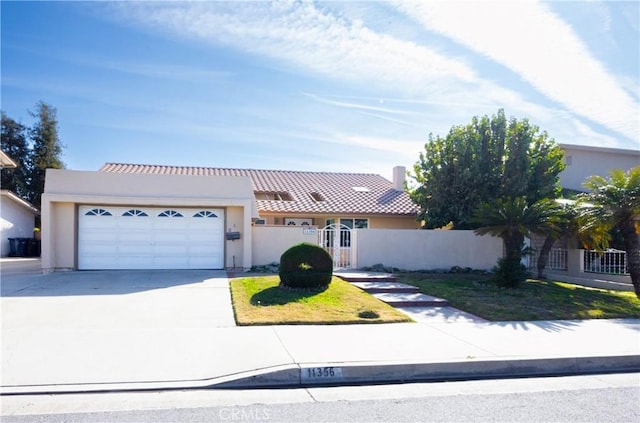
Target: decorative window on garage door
(135,212)
(98,212)
(205,213)
(170,213)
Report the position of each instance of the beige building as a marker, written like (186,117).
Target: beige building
(158,217)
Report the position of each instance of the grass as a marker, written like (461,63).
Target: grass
(259,301)
(533,300)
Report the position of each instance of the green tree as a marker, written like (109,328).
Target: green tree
(488,159)
(46,149)
(14,143)
(613,203)
(513,219)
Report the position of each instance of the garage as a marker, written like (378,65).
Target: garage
(132,237)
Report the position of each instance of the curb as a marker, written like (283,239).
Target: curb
(339,374)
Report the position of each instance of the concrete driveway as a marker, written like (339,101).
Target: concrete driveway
(113,299)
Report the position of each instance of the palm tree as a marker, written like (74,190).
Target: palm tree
(512,219)
(614,203)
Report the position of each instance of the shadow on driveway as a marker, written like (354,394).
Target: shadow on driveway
(99,282)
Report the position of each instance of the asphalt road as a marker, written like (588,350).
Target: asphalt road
(602,398)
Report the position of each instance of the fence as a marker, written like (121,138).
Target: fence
(407,249)
(611,262)
(557,260)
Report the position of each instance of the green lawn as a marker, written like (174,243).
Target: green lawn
(259,301)
(533,300)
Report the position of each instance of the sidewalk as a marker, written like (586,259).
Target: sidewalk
(111,331)
(243,357)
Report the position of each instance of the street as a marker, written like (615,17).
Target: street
(601,398)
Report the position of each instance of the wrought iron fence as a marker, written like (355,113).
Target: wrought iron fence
(557,259)
(612,262)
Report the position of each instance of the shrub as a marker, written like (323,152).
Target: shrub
(509,273)
(306,266)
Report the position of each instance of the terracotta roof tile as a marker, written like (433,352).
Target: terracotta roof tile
(335,188)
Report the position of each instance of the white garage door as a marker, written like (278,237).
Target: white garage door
(150,238)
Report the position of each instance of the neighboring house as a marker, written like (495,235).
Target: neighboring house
(583,161)
(356,200)
(6,162)
(17,216)
(17,219)
(146,217)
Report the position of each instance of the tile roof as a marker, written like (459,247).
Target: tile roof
(336,189)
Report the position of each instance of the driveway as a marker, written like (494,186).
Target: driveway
(112,299)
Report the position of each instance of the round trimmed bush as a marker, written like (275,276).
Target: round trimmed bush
(306,267)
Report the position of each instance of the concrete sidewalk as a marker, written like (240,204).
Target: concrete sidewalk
(109,331)
(163,358)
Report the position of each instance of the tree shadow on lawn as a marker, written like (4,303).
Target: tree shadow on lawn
(277,296)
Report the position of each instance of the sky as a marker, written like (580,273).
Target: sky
(338,86)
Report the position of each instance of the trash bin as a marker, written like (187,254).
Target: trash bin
(32,248)
(12,247)
(21,247)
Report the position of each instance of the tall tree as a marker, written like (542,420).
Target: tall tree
(488,159)
(46,149)
(614,203)
(14,143)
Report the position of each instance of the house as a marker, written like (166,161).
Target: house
(583,161)
(17,216)
(295,198)
(17,220)
(157,217)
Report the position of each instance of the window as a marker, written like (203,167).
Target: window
(205,213)
(98,212)
(273,196)
(361,189)
(316,197)
(345,234)
(135,212)
(170,213)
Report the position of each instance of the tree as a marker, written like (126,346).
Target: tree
(46,149)
(485,160)
(613,203)
(512,219)
(14,143)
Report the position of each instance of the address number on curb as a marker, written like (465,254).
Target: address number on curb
(320,373)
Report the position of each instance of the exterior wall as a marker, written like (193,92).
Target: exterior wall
(584,161)
(425,249)
(269,242)
(235,249)
(65,190)
(15,222)
(404,249)
(375,222)
(59,238)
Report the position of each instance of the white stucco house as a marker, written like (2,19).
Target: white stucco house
(17,219)
(583,161)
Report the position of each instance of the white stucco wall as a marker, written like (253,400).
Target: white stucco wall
(269,242)
(16,221)
(425,249)
(407,249)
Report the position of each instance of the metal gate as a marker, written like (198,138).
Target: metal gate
(336,239)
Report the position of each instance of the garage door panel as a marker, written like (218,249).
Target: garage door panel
(150,238)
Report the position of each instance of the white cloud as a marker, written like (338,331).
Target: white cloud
(306,36)
(530,40)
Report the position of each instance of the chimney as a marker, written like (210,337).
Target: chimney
(399,173)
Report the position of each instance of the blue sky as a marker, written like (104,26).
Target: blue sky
(322,86)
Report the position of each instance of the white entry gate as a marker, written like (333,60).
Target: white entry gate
(336,239)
